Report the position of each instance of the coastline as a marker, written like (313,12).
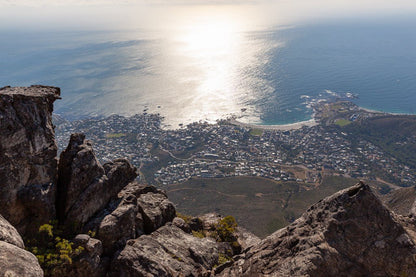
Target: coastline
(284,127)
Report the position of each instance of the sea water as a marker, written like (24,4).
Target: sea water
(265,76)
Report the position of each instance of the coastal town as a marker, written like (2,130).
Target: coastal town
(300,153)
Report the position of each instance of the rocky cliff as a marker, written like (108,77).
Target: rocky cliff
(28,154)
(119,227)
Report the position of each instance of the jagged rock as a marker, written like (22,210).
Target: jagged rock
(195,224)
(210,221)
(9,234)
(156,210)
(28,155)
(347,234)
(245,238)
(15,261)
(181,224)
(166,252)
(121,225)
(88,263)
(84,186)
(122,218)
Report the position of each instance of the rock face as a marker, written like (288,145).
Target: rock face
(169,251)
(84,186)
(88,263)
(347,234)
(9,234)
(156,210)
(28,155)
(129,216)
(14,260)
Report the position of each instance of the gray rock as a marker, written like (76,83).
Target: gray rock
(122,218)
(15,261)
(245,238)
(347,234)
(28,159)
(88,263)
(210,221)
(119,226)
(181,224)
(9,234)
(84,186)
(166,252)
(156,210)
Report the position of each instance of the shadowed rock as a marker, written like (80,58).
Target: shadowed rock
(347,234)
(84,186)
(156,210)
(14,259)
(28,150)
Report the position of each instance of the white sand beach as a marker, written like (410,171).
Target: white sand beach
(284,127)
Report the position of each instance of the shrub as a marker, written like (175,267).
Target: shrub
(52,251)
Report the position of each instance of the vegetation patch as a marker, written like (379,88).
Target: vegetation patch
(53,252)
(342,122)
(115,135)
(256,132)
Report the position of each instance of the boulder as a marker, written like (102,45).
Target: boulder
(28,155)
(121,225)
(15,261)
(9,234)
(181,224)
(169,251)
(86,263)
(156,210)
(347,234)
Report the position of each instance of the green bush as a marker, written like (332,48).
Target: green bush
(226,228)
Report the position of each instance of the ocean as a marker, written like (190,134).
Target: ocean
(267,76)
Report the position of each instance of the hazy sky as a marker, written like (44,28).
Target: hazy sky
(115,14)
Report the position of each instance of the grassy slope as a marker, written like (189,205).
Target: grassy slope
(260,205)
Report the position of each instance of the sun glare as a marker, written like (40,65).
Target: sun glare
(210,36)
(212,45)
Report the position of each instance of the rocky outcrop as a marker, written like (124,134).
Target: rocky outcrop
(156,210)
(169,251)
(84,186)
(129,216)
(14,260)
(9,234)
(88,262)
(347,234)
(28,155)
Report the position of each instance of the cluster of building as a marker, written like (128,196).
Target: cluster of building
(220,150)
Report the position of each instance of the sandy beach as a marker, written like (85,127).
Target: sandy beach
(284,127)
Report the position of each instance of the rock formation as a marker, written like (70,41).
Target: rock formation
(14,260)
(28,155)
(136,232)
(347,234)
(84,186)
(169,251)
